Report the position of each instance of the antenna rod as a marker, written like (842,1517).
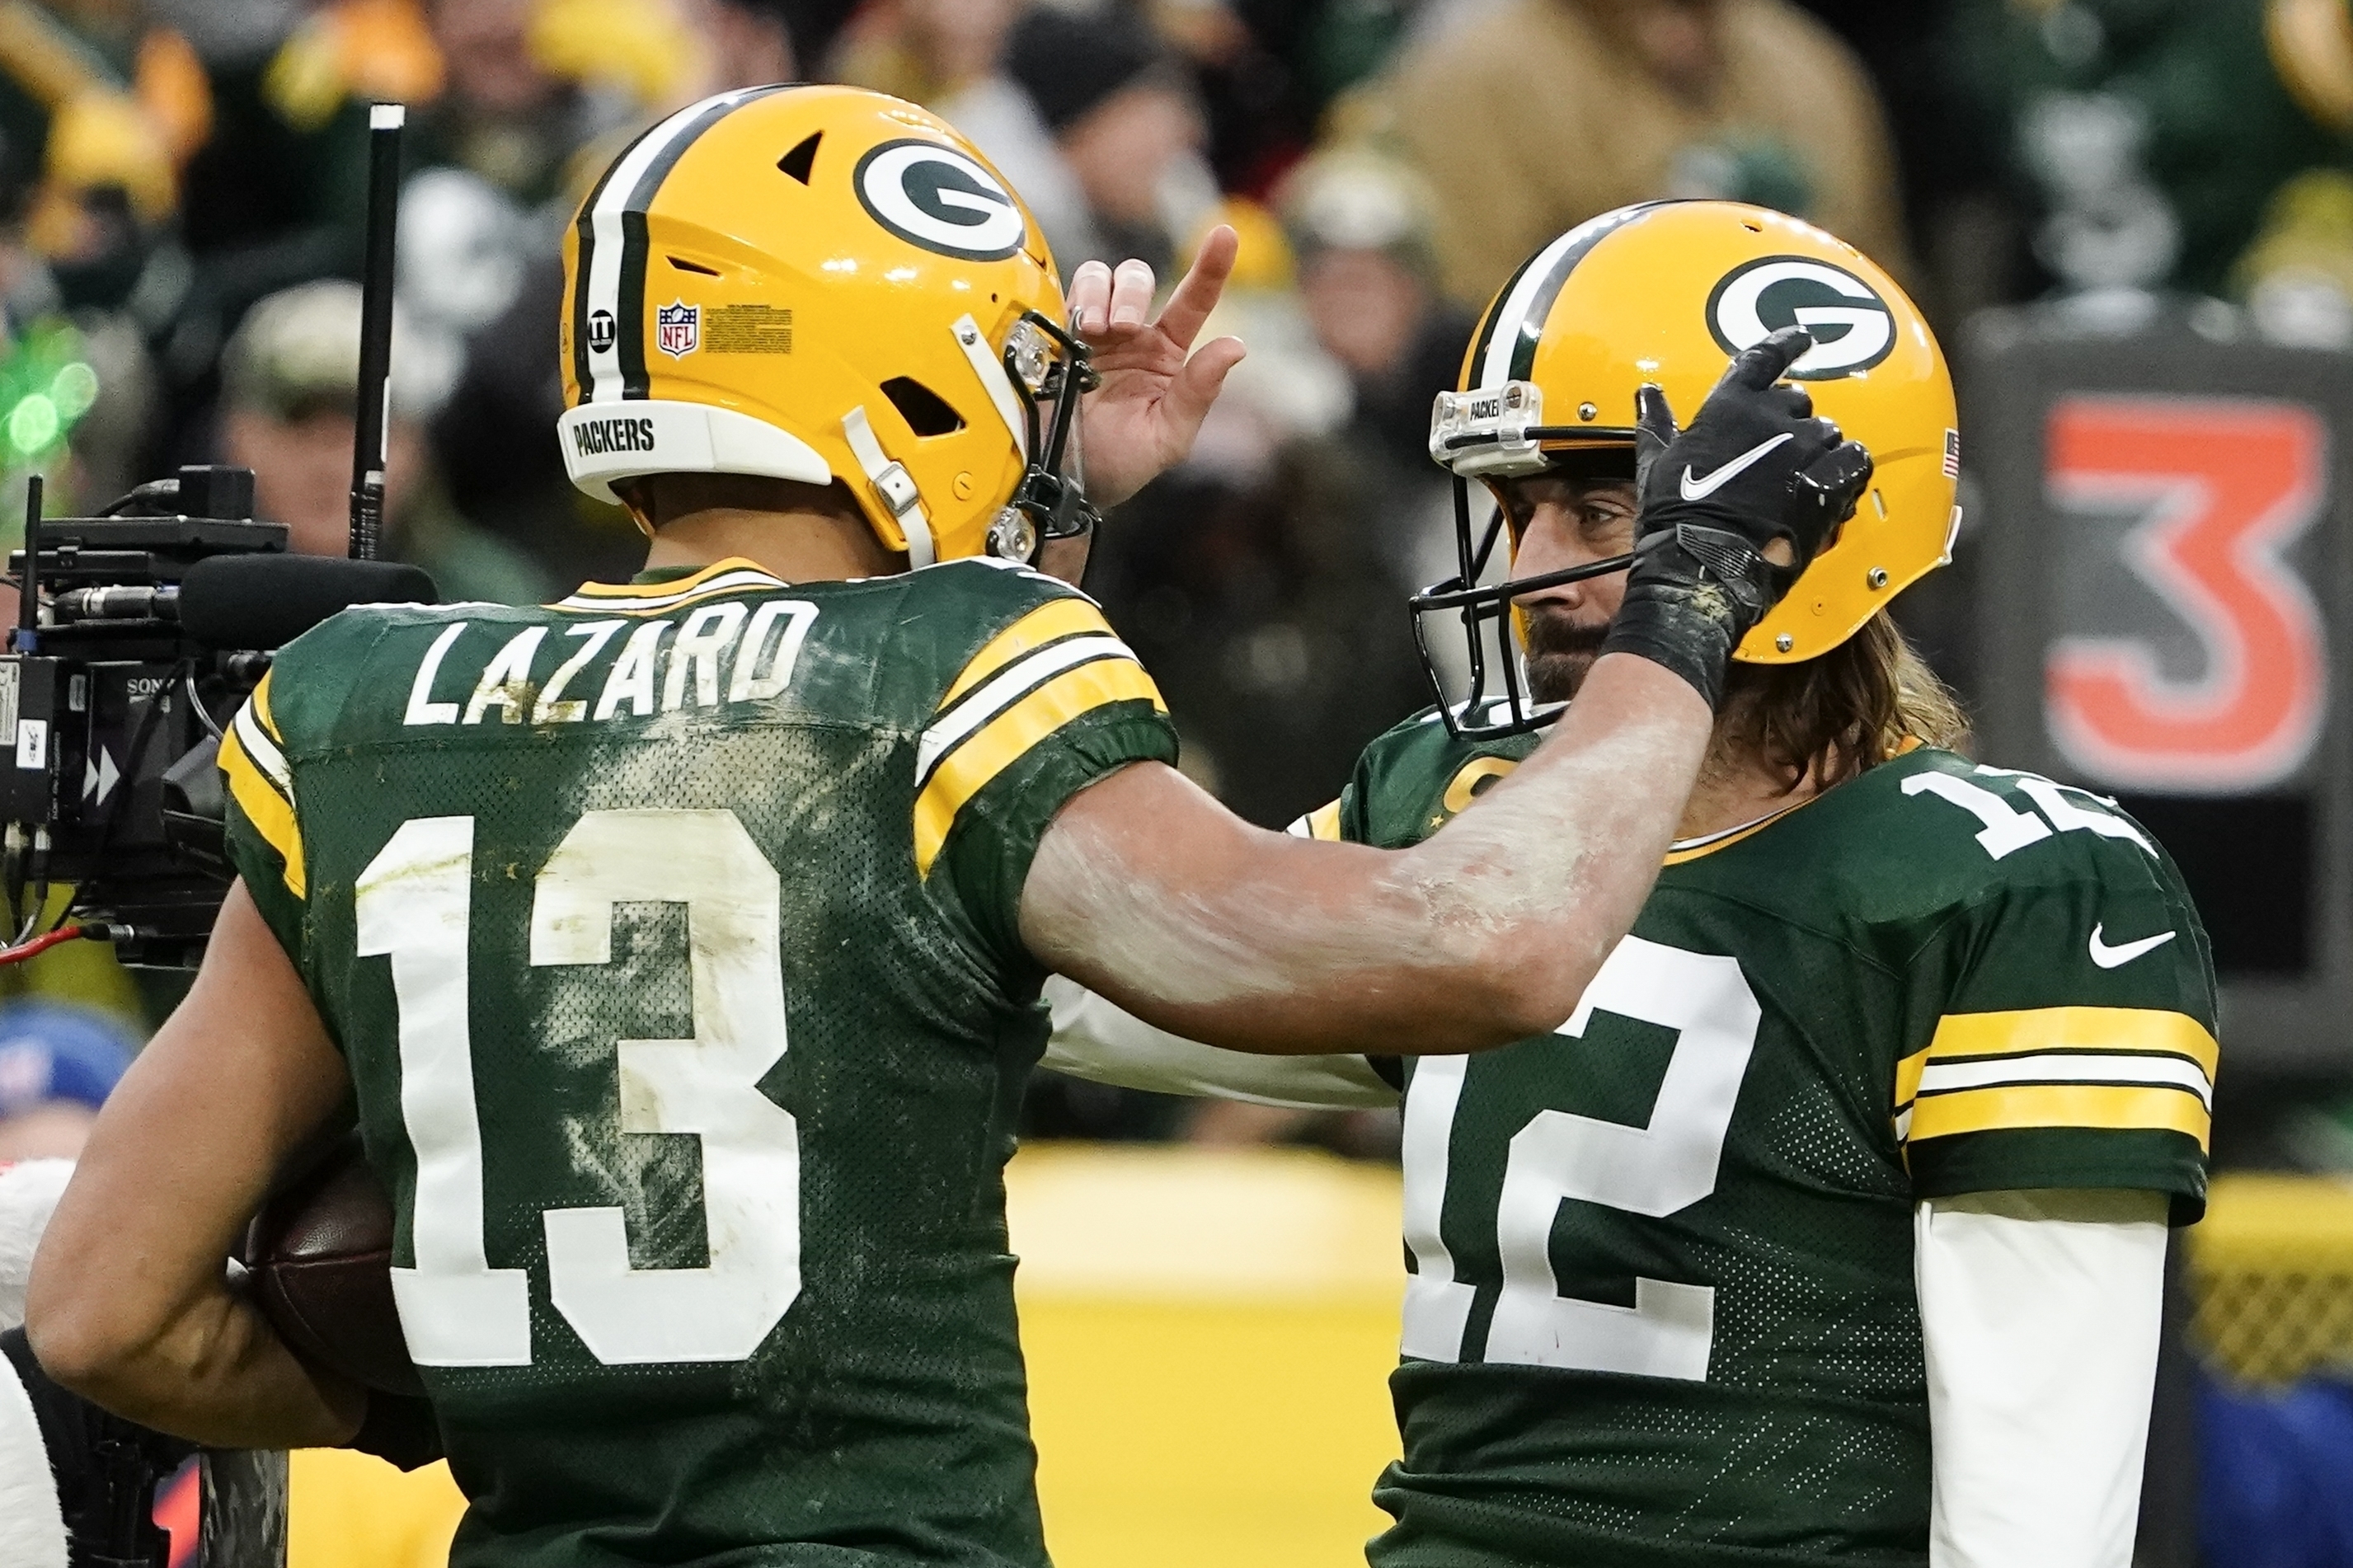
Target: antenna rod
(374,407)
(28,586)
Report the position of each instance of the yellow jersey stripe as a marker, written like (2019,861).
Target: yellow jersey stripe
(1907,1077)
(645,603)
(1005,739)
(952,726)
(1463,788)
(1061,618)
(2109,1107)
(1324,823)
(261,709)
(1708,843)
(271,814)
(2043,1029)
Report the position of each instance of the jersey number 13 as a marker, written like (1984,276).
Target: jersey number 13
(413,904)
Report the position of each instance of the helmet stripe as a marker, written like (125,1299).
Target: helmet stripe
(586,230)
(1511,351)
(1487,323)
(612,265)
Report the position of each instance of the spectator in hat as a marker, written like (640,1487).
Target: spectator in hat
(289,380)
(1362,228)
(1122,117)
(58,1065)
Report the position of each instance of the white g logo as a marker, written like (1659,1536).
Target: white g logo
(1854,328)
(930,195)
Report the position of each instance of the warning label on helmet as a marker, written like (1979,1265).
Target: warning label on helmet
(747,329)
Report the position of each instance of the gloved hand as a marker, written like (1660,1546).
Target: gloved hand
(1733,509)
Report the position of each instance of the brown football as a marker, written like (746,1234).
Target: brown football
(319,1258)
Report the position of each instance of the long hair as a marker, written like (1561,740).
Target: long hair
(1830,718)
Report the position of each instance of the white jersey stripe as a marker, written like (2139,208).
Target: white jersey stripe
(1005,688)
(264,753)
(2065,1068)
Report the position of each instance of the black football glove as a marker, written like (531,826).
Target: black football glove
(1755,466)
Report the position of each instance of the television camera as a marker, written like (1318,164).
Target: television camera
(140,632)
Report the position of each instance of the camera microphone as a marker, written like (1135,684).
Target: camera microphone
(267,601)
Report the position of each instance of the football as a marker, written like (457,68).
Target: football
(319,1255)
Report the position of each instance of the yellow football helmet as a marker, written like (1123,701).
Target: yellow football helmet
(822,283)
(1668,293)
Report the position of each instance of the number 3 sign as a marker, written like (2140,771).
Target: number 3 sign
(2223,487)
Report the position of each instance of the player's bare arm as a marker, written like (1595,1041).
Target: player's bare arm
(1149,891)
(129,1304)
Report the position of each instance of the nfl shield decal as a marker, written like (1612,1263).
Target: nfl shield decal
(678,329)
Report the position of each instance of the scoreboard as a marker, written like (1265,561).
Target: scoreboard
(2161,602)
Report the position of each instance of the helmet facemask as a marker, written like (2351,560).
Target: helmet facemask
(1490,435)
(1050,373)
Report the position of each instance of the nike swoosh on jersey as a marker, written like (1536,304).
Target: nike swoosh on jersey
(1696,489)
(2108,957)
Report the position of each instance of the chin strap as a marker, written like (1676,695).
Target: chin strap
(993,381)
(893,486)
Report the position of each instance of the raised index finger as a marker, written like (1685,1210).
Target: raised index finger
(1759,367)
(1204,282)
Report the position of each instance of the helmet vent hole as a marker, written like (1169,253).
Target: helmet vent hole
(798,162)
(925,411)
(685,266)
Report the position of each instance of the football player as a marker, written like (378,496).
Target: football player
(1829,1226)
(681,942)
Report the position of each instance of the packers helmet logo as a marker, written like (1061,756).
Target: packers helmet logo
(930,195)
(1854,328)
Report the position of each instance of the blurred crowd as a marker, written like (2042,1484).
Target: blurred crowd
(179,204)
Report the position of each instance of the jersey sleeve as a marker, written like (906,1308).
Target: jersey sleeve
(2076,1044)
(1324,824)
(264,833)
(1049,704)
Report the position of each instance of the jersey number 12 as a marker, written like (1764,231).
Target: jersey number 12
(1557,1156)
(413,904)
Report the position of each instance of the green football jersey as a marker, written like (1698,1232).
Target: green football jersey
(671,935)
(1661,1309)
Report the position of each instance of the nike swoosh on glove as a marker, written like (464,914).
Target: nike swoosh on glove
(1756,469)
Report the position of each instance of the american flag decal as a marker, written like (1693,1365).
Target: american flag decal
(1952,454)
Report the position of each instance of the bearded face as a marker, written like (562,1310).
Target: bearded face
(1558,523)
